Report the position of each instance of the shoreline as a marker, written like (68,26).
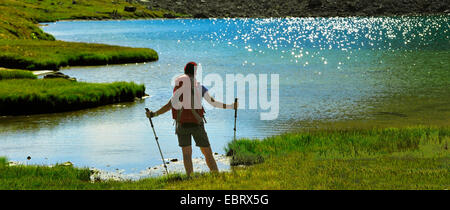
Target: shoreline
(44,24)
(175,166)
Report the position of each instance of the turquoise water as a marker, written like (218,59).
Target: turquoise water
(329,69)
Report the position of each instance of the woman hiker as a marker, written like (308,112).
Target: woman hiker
(188,115)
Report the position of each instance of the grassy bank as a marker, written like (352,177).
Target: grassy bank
(16,74)
(32,55)
(27,96)
(337,144)
(24,45)
(19,19)
(391,158)
(23,177)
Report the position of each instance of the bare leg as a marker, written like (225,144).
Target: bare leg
(207,152)
(187,159)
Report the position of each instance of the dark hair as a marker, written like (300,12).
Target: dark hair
(189,68)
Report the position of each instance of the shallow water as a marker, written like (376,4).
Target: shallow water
(329,69)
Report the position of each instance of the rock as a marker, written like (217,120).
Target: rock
(168,15)
(97,179)
(29,158)
(129,9)
(230,153)
(314,4)
(299,8)
(12,163)
(174,160)
(379,9)
(74,2)
(59,75)
(200,15)
(56,75)
(68,163)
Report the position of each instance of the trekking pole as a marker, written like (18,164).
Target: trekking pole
(156,138)
(235,117)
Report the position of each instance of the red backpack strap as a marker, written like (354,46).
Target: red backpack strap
(194,112)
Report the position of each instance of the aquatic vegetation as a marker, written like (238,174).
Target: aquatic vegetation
(342,143)
(26,96)
(16,74)
(32,55)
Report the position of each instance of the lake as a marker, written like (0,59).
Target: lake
(330,69)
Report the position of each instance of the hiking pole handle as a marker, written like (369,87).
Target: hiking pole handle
(151,122)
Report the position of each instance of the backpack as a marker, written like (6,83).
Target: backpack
(192,115)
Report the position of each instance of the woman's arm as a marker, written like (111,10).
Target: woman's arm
(161,111)
(218,104)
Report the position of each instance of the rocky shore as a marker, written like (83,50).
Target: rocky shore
(300,8)
(173,165)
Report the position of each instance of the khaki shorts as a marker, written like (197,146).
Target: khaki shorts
(186,130)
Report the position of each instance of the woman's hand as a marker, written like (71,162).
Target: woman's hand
(150,114)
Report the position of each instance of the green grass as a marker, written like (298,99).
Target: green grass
(297,171)
(16,74)
(24,45)
(29,96)
(344,143)
(40,177)
(40,54)
(389,158)
(18,18)
(62,177)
